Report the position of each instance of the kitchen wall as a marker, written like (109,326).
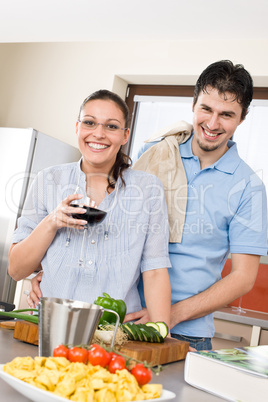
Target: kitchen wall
(43,84)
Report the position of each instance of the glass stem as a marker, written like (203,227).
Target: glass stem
(81,258)
(239,308)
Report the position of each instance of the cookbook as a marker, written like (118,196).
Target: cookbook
(239,374)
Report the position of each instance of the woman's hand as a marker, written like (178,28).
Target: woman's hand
(35,293)
(62,215)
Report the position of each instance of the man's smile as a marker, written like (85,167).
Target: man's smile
(210,134)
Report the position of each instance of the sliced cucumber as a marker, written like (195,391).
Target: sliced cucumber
(149,332)
(135,332)
(152,336)
(152,324)
(158,336)
(139,332)
(127,328)
(163,328)
(147,335)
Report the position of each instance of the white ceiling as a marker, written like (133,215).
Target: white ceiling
(121,20)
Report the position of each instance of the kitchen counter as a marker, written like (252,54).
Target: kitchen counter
(257,320)
(250,317)
(171,377)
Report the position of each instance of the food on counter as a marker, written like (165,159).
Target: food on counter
(116,363)
(61,351)
(117,305)
(160,326)
(98,356)
(19,315)
(149,332)
(82,382)
(106,357)
(78,355)
(104,335)
(142,374)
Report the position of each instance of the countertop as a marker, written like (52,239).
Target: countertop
(250,317)
(172,377)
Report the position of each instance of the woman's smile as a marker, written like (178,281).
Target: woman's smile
(97,146)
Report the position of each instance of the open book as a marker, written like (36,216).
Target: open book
(239,374)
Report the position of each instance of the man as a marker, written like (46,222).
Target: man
(226,209)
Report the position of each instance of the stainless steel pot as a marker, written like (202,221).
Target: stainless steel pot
(66,321)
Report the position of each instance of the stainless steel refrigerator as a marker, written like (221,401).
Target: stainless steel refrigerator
(23,152)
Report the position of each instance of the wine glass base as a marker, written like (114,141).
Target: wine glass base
(238,310)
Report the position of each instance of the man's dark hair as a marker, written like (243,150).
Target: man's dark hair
(226,77)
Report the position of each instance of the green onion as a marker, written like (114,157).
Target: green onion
(18,314)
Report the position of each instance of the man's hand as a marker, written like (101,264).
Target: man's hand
(35,293)
(141,316)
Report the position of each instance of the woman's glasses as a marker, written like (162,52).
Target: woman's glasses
(91,125)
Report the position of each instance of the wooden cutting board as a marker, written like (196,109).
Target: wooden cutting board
(156,353)
(26,332)
(8,324)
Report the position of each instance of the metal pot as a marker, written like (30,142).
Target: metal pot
(66,321)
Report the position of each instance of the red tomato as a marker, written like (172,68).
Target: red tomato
(117,363)
(61,351)
(142,374)
(98,356)
(77,354)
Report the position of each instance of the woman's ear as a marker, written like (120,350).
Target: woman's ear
(76,127)
(126,136)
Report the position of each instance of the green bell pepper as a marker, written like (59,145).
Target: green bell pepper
(117,305)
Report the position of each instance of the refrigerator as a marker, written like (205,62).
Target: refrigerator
(23,153)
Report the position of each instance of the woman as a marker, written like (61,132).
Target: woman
(131,240)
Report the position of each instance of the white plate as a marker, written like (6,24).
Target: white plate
(39,395)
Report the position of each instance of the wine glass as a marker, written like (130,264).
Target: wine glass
(239,309)
(93,215)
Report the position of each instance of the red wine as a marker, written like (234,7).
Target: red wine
(92,215)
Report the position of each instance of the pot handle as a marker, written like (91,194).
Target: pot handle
(116,324)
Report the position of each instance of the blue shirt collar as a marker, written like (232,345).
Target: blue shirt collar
(228,163)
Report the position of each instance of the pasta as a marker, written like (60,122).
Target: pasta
(80,382)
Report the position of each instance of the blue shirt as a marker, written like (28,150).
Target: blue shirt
(226,213)
(137,226)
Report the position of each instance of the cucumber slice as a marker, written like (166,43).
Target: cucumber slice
(139,333)
(150,334)
(145,333)
(135,332)
(153,325)
(129,331)
(157,334)
(163,328)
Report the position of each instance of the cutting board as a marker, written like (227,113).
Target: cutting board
(26,332)
(8,324)
(156,353)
